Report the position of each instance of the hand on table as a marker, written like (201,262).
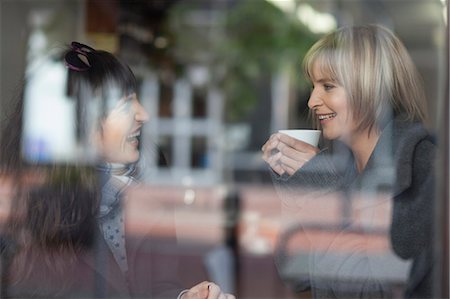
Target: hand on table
(206,290)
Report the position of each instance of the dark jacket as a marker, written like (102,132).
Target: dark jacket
(94,273)
(89,269)
(401,165)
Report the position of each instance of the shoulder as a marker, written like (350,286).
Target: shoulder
(414,152)
(411,139)
(424,158)
(411,132)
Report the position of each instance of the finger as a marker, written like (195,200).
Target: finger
(267,142)
(295,154)
(203,294)
(278,169)
(274,163)
(291,165)
(274,158)
(288,169)
(200,286)
(214,291)
(297,144)
(268,153)
(273,140)
(199,291)
(270,145)
(229,296)
(275,136)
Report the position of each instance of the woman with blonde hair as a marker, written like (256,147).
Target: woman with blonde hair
(368,100)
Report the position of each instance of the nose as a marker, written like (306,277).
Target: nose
(141,115)
(314,100)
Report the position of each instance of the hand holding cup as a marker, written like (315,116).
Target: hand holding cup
(288,150)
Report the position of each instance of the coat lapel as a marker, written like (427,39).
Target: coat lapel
(106,273)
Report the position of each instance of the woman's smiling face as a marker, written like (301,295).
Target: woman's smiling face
(119,137)
(330,104)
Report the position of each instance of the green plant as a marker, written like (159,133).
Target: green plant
(250,42)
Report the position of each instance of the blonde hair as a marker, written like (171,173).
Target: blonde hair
(376,71)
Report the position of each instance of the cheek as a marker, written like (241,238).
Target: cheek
(342,107)
(112,134)
(113,139)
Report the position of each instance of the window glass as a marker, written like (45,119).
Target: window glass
(149,172)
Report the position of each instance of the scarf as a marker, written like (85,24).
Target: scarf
(115,179)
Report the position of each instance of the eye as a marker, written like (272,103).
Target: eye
(327,86)
(122,106)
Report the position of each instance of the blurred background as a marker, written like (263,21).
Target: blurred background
(218,77)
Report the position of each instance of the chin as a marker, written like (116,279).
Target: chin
(327,136)
(122,159)
(331,135)
(134,159)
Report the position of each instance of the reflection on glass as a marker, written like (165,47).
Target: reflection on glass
(165,100)
(165,144)
(217,79)
(199,98)
(199,152)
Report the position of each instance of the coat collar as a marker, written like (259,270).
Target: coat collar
(390,164)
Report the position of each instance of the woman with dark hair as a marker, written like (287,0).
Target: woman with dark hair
(67,231)
(368,98)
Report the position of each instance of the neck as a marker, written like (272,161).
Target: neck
(362,146)
(116,168)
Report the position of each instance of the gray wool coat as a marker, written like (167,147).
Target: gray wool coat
(401,165)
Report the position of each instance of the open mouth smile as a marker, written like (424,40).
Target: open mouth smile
(134,136)
(326,116)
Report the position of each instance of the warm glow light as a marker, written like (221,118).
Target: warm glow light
(316,21)
(288,6)
(444,10)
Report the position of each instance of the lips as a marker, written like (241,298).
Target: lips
(134,136)
(327,116)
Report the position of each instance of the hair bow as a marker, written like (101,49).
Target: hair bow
(77,57)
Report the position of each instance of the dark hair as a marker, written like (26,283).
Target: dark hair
(56,209)
(103,83)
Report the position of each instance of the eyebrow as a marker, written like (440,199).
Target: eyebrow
(323,80)
(129,97)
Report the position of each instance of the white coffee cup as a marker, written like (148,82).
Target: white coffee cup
(308,136)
